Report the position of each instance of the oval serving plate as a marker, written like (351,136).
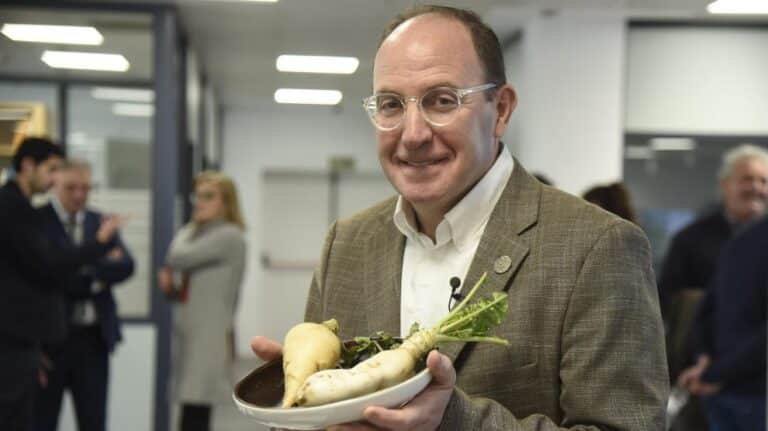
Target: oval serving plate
(258,395)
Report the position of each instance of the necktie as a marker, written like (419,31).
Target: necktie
(70,227)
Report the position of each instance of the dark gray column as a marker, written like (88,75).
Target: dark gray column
(165,183)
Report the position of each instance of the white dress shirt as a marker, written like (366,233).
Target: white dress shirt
(428,266)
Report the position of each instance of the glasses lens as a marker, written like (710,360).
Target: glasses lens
(386,110)
(440,105)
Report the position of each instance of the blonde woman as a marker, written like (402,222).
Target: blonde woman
(209,255)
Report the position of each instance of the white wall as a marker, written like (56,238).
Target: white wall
(570,91)
(701,80)
(284,137)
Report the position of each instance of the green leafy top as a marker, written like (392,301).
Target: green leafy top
(365,347)
(472,321)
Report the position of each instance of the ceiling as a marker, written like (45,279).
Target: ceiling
(237,42)
(129,34)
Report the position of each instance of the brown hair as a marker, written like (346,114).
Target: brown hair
(614,198)
(228,194)
(486,43)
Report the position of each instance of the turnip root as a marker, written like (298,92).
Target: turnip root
(390,367)
(307,349)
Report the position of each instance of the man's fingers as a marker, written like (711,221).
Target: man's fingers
(355,426)
(441,368)
(404,418)
(265,348)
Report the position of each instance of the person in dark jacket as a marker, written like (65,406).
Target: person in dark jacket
(730,334)
(32,272)
(81,362)
(690,263)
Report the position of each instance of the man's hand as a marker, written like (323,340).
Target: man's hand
(108,227)
(115,254)
(690,379)
(265,348)
(42,370)
(423,413)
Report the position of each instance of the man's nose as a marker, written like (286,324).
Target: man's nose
(416,130)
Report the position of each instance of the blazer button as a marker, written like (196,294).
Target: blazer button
(502,264)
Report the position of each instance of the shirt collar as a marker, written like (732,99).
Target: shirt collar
(63,214)
(468,217)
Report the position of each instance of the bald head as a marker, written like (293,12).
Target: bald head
(430,45)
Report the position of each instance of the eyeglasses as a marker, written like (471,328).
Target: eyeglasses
(438,106)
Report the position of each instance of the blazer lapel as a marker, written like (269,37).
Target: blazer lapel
(502,250)
(383,276)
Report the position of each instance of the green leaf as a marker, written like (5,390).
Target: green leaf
(476,319)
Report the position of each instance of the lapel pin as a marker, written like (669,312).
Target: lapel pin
(502,264)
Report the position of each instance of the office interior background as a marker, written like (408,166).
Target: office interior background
(650,92)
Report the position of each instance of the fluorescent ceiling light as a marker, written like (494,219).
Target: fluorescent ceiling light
(123,94)
(738,6)
(672,144)
(85,61)
(308,97)
(133,109)
(317,64)
(69,34)
(638,152)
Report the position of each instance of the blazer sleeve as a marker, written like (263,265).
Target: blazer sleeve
(314,308)
(114,271)
(613,366)
(188,252)
(40,261)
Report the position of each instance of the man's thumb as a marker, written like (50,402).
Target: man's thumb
(441,368)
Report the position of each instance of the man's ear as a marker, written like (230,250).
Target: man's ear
(506,102)
(27,165)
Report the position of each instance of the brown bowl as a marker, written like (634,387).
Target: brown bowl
(263,386)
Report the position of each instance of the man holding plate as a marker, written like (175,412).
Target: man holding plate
(587,344)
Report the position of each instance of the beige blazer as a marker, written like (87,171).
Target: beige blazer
(587,344)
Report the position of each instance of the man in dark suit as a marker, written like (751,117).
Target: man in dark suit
(730,334)
(81,362)
(32,270)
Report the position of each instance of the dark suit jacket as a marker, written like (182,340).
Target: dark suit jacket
(690,261)
(104,270)
(32,270)
(731,326)
(587,342)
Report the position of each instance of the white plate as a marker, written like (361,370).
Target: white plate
(320,417)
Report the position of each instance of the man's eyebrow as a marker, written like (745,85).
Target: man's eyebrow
(431,87)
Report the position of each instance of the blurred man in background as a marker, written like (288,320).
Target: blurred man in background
(730,337)
(32,269)
(81,362)
(690,263)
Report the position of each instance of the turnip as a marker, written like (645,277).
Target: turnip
(466,322)
(308,348)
